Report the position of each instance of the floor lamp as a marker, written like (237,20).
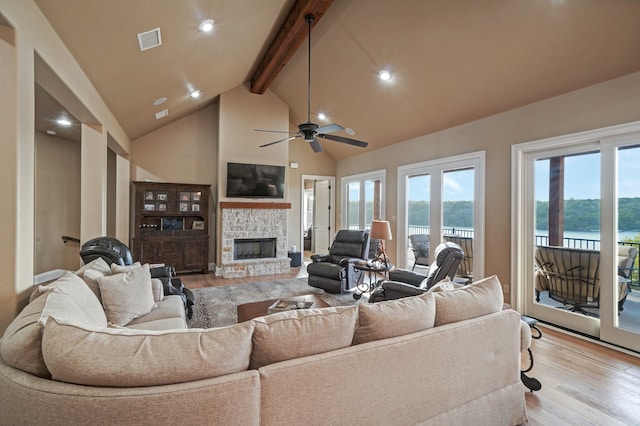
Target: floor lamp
(381,231)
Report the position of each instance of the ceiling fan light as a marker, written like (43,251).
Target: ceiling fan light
(384,75)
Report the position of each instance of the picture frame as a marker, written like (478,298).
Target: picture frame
(162,196)
(184,207)
(195,207)
(195,196)
(185,196)
(148,195)
(162,207)
(197,224)
(149,207)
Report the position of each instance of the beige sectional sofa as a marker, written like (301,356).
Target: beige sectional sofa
(448,357)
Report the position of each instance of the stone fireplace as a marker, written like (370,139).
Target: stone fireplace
(254,239)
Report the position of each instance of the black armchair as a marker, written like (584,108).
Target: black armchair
(115,251)
(334,272)
(403,283)
(109,249)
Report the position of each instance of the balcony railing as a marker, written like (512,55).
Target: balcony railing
(579,243)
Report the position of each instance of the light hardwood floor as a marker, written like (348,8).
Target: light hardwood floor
(583,383)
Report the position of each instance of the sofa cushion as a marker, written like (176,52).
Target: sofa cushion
(68,298)
(92,271)
(394,317)
(479,298)
(128,295)
(119,357)
(297,333)
(171,307)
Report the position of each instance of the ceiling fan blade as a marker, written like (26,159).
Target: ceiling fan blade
(329,128)
(345,140)
(273,131)
(315,145)
(280,140)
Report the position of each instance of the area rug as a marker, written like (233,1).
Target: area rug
(217,306)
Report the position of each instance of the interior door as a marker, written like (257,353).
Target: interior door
(322,217)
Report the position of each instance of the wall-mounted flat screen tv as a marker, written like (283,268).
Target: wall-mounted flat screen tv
(255,180)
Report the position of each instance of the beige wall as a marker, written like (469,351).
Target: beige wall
(309,163)
(240,112)
(613,102)
(31,36)
(8,175)
(57,203)
(184,151)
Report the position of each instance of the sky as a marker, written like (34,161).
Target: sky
(582,179)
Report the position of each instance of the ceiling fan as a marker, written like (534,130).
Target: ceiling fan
(312,131)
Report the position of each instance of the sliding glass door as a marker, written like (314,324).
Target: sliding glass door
(576,226)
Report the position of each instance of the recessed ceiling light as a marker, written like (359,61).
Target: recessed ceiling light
(162,114)
(195,94)
(159,101)
(350,131)
(64,122)
(51,132)
(321,116)
(384,75)
(206,26)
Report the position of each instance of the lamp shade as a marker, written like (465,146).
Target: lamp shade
(381,230)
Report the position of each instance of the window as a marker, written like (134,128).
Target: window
(362,199)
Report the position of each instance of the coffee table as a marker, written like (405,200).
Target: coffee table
(248,311)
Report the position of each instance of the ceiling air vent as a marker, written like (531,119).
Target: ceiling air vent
(149,39)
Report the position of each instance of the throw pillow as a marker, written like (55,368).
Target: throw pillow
(479,298)
(301,332)
(91,272)
(127,296)
(115,357)
(118,269)
(69,298)
(394,317)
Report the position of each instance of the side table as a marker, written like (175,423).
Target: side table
(296,258)
(373,269)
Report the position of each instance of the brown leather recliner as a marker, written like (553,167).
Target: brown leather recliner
(334,272)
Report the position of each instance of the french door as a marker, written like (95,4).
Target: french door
(576,215)
(362,199)
(443,198)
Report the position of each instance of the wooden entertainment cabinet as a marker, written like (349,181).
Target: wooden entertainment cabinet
(172,225)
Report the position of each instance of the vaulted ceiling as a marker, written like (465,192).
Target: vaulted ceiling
(451,61)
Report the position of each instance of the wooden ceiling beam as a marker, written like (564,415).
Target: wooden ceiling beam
(292,33)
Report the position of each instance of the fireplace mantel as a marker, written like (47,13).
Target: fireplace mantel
(253,205)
